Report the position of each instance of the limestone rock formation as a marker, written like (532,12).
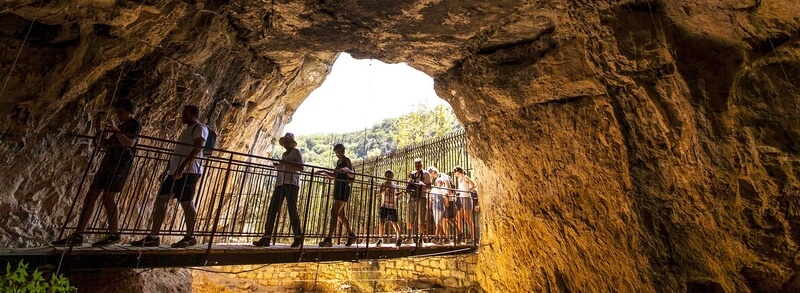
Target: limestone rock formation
(620,145)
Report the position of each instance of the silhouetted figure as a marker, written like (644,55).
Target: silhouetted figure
(180,179)
(120,146)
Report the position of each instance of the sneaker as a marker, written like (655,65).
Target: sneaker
(72,240)
(327,242)
(350,239)
(399,242)
(108,240)
(148,241)
(185,242)
(297,242)
(378,243)
(263,242)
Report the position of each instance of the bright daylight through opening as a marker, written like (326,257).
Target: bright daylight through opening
(373,108)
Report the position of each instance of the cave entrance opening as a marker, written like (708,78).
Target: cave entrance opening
(373,108)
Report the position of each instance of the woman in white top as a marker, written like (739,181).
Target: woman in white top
(438,205)
(465,187)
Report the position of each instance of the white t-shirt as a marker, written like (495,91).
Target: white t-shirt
(286,173)
(182,151)
(463,188)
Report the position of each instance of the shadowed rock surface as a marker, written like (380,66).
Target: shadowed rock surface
(632,146)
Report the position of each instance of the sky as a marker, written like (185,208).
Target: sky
(373,93)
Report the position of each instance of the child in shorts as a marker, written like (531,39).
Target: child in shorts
(388,211)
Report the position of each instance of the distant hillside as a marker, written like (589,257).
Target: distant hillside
(381,138)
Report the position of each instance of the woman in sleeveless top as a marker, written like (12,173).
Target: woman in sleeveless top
(342,187)
(465,187)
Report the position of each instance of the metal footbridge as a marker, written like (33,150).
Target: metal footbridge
(232,200)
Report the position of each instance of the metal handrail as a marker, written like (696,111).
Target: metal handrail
(233,197)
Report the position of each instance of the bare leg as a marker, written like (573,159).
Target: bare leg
(190,215)
(467,218)
(380,228)
(334,217)
(112,213)
(396,229)
(88,209)
(159,210)
(343,216)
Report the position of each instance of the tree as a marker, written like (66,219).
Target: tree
(382,138)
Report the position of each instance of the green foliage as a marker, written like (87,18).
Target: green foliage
(382,138)
(18,281)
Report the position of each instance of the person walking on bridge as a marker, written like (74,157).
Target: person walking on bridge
(120,144)
(288,187)
(419,184)
(466,188)
(342,187)
(180,179)
(388,210)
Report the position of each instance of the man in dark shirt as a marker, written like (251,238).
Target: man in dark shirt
(119,141)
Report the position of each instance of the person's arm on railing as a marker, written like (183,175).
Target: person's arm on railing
(293,161)
(346,169)
(326,173)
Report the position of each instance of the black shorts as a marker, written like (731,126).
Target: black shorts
(450,211)
(390,214)
(341,191)
(181,189)
(113,173)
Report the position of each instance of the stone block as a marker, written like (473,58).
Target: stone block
(451,283)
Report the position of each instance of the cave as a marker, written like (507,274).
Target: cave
(621,145)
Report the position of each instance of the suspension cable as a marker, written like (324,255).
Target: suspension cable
(19,52)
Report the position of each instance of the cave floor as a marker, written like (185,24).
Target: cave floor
(126,256)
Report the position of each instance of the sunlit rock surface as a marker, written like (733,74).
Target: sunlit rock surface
(631,146)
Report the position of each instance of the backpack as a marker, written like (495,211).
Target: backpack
(211,141)
(413,189)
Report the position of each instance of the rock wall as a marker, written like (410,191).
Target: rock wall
(162,56)
(621,145)
(648,146)
(432,274)
(171,280)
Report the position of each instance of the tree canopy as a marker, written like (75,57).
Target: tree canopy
(382,138)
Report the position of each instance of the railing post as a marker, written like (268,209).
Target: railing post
(370,208)
(310,188)
(80,190)
(219,206)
